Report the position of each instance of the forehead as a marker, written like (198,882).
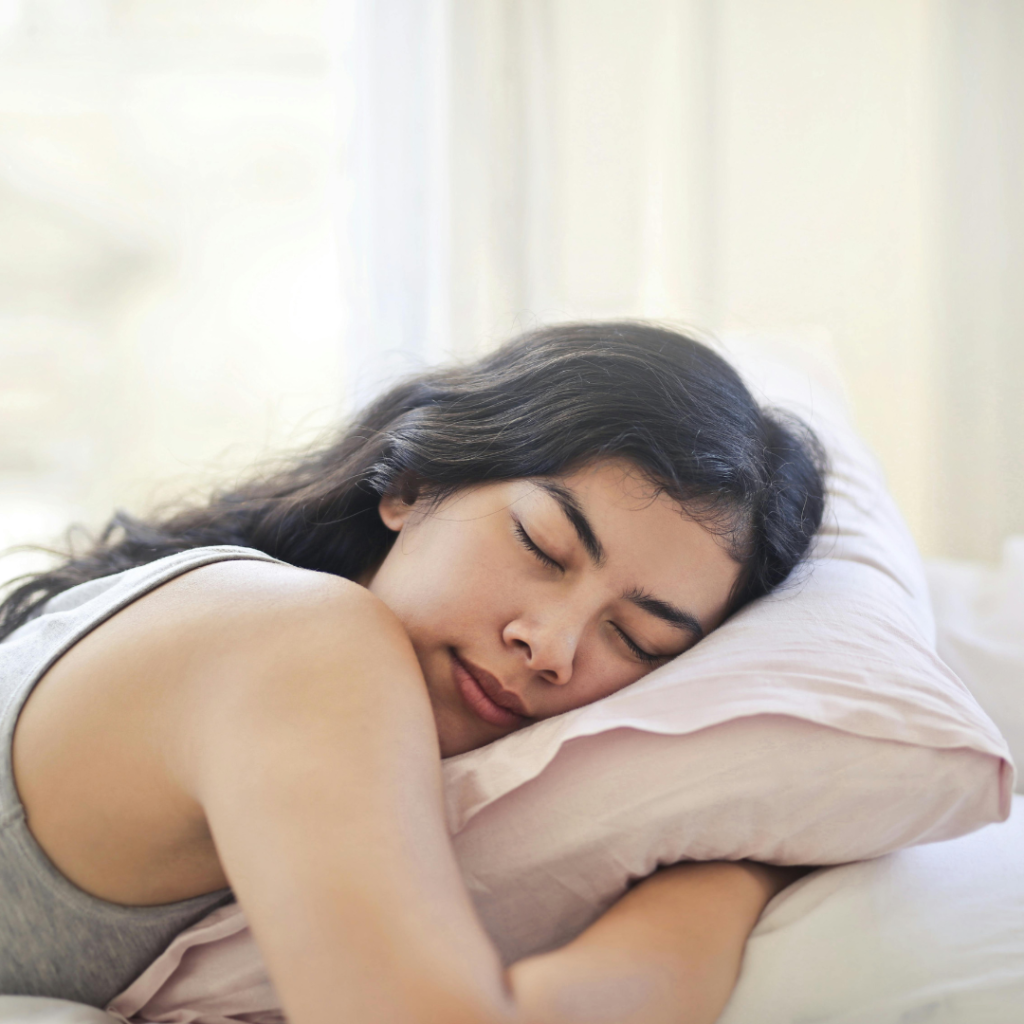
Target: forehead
(620,484)
(624,504)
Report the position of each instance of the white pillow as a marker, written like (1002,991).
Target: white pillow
(980,610)
(934,934)
(544,861)
(816,726)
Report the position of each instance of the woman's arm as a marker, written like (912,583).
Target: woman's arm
(312,749)
(668,952)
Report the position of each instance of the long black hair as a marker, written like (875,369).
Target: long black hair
(542,405)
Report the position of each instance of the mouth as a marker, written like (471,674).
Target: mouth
(482,693)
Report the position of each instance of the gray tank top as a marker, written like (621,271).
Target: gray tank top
(55,939)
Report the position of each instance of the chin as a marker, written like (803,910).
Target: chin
(453,735)
(458,742)
(457,736)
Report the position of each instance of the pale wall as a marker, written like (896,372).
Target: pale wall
(221,222)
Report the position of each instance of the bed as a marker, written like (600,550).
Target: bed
(929,935)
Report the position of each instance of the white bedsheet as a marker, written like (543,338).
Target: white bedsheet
(930,935)
(32,1010)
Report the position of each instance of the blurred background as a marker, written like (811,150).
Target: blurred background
(225,222)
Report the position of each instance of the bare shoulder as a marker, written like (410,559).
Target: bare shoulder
(226,654)
(247,613)
(232,622)
(259,633)
(254,622)
(109,744)
(241,592)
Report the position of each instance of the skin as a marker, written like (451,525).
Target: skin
(280,731)
(560,630)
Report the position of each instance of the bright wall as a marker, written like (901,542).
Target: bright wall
(223,223)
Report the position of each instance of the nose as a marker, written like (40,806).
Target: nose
(548,644)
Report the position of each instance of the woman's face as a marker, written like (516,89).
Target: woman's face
(531,597)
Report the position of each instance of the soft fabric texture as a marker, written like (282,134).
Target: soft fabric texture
(39,1010)
(980,609)
(932,935)
(929,934)
(210,974)
(55,939)
(817,726)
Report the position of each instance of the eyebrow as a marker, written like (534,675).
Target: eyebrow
(666,612)
(570,506)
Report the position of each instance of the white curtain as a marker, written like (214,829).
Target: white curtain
(980,340)
(847,172)
(518,160)
(186,191)
(169,282)
(448,166)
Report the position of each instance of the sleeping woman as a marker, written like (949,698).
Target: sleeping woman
(251,699)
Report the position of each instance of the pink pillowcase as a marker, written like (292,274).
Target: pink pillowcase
(816,726)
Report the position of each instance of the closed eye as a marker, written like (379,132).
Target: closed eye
(527,541)
(639,652)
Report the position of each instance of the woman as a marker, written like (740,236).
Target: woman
(489,546)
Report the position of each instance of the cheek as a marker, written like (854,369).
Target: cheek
(448,581)
(597,672)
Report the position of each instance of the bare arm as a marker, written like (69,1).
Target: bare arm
(313,752)
(668,952)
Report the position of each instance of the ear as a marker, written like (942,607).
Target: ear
(395,511)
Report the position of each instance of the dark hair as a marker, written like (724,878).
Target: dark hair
(543,404)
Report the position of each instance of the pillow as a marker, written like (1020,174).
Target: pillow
(816,726)
(930,934)
(981,613)
(926,935)
(544,861)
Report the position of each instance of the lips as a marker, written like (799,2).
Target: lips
(485,697)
